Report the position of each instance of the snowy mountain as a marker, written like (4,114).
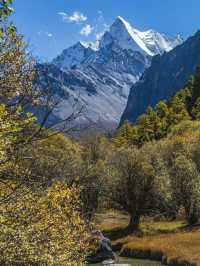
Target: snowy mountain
(148,42)
(73,56)
(99,75)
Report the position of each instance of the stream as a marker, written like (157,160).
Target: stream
(130,262)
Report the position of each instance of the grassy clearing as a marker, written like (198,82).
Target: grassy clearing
(112,221)
(174,239)
(177,246)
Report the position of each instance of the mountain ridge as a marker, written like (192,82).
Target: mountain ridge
(79,52)
(167,74)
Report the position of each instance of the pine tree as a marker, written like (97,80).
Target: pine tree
(126,135)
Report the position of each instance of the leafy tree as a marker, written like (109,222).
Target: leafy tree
(180,152)
(91,182)
(42,228)
(132,183)
(56,157)
(5,9)
(16,91)
(194,89)
(41,221)
(185,185)
(196,109)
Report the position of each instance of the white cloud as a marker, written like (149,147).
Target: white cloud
(76,17)
(99,35)
(46,33)
(63,14)
(87,30)
(49,34)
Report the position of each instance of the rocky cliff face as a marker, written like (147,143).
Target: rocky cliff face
(167,74)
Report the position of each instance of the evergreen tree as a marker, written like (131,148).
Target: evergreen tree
(126,135)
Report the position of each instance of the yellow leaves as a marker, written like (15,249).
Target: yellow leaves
(43,228)
(12,125)
(126,135)
(38,227)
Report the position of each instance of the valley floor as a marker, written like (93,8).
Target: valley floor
(171,242)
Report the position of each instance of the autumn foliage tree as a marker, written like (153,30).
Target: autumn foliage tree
(42,228)
(131,182)
(180,154)
(40,209)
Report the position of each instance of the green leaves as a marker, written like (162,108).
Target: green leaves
(12,29)
(5,9)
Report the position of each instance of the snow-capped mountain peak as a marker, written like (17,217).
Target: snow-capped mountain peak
(73,55)
(148,42)
(122,34)
(158,42)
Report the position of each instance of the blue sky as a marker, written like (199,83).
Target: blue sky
(52,25)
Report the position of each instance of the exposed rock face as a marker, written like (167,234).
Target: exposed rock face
(167,74)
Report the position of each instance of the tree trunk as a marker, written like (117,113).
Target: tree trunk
(134,224)
(192,214)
